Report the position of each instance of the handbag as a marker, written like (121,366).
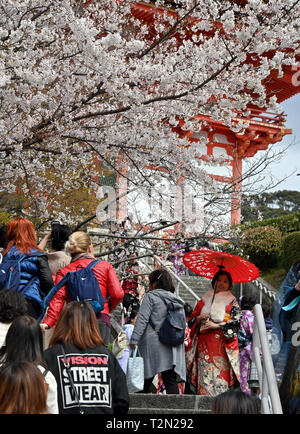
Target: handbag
(67,366)
(135,372)
(119,344)
(230,329)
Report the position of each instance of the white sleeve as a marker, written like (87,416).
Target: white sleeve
(52,391)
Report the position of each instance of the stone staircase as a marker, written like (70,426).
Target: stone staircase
(154,404)
(199,285)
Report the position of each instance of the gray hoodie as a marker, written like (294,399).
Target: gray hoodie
(157,356)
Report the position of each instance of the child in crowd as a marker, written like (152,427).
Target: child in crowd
(124,352)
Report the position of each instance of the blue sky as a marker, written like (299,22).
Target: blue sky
(291,160)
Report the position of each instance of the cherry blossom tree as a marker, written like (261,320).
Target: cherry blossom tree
(84,83)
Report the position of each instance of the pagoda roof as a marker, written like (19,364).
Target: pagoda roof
(260,130)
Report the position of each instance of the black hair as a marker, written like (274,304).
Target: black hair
(133,314)
(188,310)
(24,341)
(59,236)
(12,305)
(162,279)
(248,302)
(220,273)
(3,242)
(235,402)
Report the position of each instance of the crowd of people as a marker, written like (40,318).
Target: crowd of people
(77,372)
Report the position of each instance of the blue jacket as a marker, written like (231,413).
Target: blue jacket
(34,268)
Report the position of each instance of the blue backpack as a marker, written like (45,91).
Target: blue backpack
(10,273)
(172,330)
(82,285)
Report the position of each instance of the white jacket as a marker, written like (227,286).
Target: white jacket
(52,403)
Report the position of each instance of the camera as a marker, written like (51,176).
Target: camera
(55,223)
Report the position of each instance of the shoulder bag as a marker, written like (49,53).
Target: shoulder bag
(67,366)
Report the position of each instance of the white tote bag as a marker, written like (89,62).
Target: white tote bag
(135,372)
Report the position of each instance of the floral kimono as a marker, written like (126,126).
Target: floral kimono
(212,358)
(175,257)
(245,345)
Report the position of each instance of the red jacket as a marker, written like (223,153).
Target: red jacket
(108,281)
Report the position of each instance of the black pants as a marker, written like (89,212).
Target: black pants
(170,383)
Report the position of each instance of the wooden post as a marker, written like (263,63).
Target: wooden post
(236,196)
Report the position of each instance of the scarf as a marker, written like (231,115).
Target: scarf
(217,309)
(81,256)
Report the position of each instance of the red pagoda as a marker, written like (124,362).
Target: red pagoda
(263,128)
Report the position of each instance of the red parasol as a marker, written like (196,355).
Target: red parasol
(207,263)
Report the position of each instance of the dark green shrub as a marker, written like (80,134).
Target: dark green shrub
(290,249)
(263,246)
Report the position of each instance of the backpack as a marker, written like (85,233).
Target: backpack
(172,330)
(82,285)
(10,273)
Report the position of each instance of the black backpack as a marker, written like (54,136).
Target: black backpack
(172,330)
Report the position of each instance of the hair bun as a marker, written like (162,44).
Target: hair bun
(78,242)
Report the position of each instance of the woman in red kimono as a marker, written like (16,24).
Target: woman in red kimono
(212,356)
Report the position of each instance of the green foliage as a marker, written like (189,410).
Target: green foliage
(274,276)
(287,223)
(5,217)
(290,249)
(270,205)
(262,245)
(11,206)
(234,249)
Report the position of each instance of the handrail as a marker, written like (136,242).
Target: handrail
(177,278)
(264,365)
(262,288)
(172,274)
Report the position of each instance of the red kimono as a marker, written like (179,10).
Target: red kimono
(212,359)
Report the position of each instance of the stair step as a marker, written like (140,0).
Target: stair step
(198,284)
(157,411)
(167,403)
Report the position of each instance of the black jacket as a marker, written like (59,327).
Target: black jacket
(44,274)
(98,378)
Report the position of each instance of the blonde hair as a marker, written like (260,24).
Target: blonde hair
(78,242)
